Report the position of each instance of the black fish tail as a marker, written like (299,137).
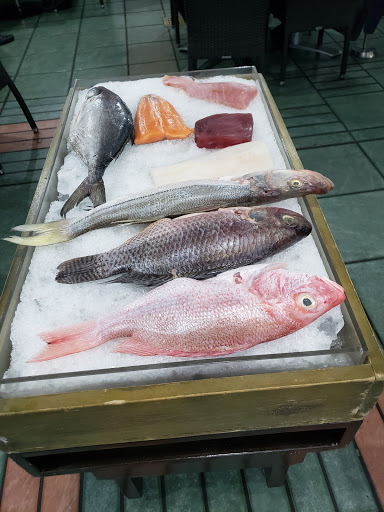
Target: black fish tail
(80,270)
(95,190)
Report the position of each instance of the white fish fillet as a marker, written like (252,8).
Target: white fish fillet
(232,161)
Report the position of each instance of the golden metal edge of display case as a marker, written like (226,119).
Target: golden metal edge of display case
(354,388)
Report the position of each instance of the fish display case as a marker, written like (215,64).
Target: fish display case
(192,410)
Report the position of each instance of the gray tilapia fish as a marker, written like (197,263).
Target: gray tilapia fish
(260,187)
(102,127)
(197,245)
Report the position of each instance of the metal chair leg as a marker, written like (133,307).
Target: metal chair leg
(23,105)
(284,58)
(175,20)
(344,62)
(320,37)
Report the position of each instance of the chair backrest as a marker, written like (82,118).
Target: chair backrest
(302,15)
(224,27)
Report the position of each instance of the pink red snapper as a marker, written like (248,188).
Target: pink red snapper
(188,318)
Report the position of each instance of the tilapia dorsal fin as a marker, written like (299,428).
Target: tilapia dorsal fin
(94,190)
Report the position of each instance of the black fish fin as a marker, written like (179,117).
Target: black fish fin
(95,191)
(80,270)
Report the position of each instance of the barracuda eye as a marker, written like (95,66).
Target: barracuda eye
(306,301)
(295,183)
(289,221)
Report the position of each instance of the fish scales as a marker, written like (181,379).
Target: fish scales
(196,245)
(181,198)
(187,318)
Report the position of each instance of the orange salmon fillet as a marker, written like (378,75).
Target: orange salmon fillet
(156,119)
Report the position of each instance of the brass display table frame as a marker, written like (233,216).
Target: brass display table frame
(269,420)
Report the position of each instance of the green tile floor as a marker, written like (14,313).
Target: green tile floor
(338,129)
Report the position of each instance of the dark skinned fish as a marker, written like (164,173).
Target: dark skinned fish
(102,127)
(198,245)
(260,187)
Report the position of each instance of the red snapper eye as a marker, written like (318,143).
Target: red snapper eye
(306,301)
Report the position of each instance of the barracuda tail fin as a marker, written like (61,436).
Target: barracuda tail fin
(43,234)
(80,270)
(87,188)
(69,340)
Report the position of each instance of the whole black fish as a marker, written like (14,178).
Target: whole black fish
(102,127)
(197,245)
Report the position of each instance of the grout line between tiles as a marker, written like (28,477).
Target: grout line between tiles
(121,500)
(3,478)
(352,193)
(368,476)
(365,260)
(163,494)
(309,115)
(204,492)
(81,490)
(76,46)
(245,490)
(328,483)
(325,145)
(380,411)
(40,495)
(126,39)
(332,79)
(306,106)
(289,495)
(345,86)
(20,184)
(351,94)
(347,130)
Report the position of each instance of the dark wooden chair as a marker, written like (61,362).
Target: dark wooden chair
(5,79)
(345,16)
(219,28)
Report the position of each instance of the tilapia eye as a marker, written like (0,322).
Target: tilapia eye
(306,301)
(295,183)
(290,221)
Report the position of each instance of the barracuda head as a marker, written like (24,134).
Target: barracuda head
(275,185)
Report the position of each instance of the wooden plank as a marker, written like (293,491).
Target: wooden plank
(21,490)
(22,127)
(61,493)
(370,440)
(26,135)
(184,409)
(23,145)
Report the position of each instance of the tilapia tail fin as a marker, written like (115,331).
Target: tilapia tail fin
(80,270)
(68,340)
(44,234)
(96,192)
